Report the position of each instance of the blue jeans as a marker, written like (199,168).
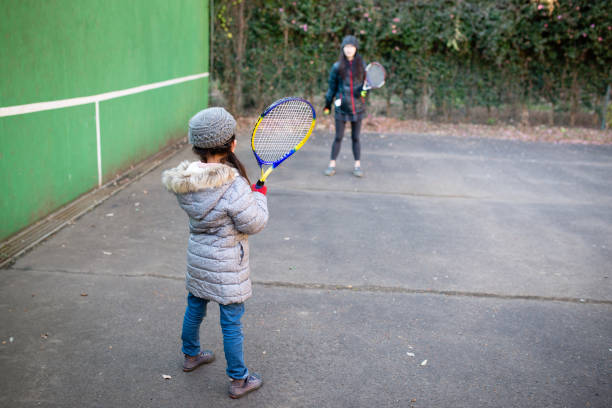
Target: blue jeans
(230,326)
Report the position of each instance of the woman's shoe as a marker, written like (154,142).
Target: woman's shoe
(193,362)
(239,388)
(357,172)
(330,171)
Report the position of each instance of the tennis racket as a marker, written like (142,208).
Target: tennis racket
(281,130)
(375,76)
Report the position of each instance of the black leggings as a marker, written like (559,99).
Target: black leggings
(355,129)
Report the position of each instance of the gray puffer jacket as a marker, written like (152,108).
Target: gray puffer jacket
(223,212)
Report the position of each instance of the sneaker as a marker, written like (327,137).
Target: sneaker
(357,172)
(239,388)
(193,362)
(330,171)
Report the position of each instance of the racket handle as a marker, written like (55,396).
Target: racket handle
(260,183)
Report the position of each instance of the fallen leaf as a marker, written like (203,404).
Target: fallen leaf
(83,293)
(166,377)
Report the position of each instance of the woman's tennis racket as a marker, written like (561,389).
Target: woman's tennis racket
(281,130)
(375,76)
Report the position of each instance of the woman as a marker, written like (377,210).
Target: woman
(346,80)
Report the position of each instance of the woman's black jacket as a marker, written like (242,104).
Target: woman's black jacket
(347,89)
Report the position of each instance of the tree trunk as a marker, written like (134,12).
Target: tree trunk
(526,97)
(230,85)
(425,100)
(524,114)
(604,111)
(551,115)
(575,97)
(516,104)
(240,47)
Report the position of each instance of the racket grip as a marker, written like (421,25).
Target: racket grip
(259,183)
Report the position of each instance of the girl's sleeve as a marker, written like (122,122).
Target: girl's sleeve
(248,210)
(332,89)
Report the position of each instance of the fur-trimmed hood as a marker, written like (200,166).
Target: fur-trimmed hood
(191,177)
(199,186)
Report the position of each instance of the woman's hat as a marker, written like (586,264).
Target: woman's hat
(350,39)
(211,127)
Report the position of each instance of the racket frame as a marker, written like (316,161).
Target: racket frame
(268,166)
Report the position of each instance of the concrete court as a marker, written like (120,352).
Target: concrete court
(490,259)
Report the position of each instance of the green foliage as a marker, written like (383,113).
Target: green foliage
(451,54)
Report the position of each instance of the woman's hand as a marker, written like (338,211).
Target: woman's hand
(327,108)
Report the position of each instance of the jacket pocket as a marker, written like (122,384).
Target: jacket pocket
(241,252)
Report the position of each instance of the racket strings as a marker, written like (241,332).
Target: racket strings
(282,129)
(376,76)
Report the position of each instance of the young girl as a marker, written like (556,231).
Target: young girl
(223,211)
(346,84)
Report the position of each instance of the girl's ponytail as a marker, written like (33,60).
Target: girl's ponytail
(233,160)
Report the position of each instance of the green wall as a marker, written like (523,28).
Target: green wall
(57,50)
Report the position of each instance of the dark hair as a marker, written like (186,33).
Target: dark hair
(357,66)
(228,156)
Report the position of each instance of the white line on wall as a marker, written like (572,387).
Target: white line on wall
(66,103)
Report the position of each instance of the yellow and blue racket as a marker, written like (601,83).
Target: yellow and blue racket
(281,130)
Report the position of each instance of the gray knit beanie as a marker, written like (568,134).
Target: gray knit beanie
(350,39)
(211,127)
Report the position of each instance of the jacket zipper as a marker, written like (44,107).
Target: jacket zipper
(351,76)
